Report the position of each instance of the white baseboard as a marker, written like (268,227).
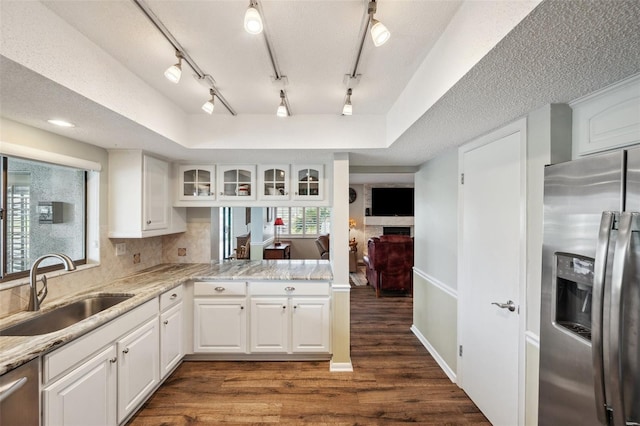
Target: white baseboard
(340,367)
(441,362)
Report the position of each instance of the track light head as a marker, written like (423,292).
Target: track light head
(174,72)
(209,105)
(379,33)
(347,109)
(282,108)
(252,19)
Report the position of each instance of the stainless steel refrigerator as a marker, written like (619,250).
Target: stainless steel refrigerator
(590,307)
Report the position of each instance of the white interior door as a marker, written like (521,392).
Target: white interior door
(492,228)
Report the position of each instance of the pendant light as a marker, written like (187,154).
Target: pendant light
(282,108)
(347,109)
(209,105)
(174,72)
(252,19)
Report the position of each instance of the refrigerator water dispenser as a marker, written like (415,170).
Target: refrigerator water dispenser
(574,282)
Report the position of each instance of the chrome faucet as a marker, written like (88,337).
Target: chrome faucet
(36,297)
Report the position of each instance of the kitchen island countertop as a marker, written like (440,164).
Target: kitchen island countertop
(143,286)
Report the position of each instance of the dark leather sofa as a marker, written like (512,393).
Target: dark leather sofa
(389,263)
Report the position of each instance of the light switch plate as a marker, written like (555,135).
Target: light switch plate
(121,249)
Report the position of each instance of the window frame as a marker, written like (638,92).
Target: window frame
(4,276)
(285,231)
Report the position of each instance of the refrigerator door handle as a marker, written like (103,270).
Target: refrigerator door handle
(597,349)
(619,280)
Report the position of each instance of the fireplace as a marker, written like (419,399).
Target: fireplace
(396,230)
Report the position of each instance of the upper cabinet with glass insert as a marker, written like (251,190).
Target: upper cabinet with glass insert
(273,182)
(196,182)
(237,182)
(308,182)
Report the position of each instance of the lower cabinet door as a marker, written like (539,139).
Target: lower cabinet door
(269,325)
(86,396)
(220,325)
(138,367)
(310,324)
(171,350)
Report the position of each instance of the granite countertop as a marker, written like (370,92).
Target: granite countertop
(144,286)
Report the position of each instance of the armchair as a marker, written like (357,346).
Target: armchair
(389,263)
(322,242)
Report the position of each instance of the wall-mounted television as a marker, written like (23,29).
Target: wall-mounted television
(392,201)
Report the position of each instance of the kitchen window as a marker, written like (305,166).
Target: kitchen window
(43,210)
(304,221)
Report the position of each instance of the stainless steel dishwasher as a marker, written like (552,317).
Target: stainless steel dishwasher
(20,395)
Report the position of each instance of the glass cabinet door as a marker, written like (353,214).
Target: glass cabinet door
(308,182)
(196,182)
(274,183)
(237,182)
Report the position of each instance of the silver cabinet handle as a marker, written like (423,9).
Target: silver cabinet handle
(113,360)
(289,289)
(7,390)
(510,305)
(219,289)
(126,351)
(173,296)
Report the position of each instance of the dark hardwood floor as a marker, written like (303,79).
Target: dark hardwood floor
(395,380)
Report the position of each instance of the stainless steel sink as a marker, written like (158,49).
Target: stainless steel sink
(64,316)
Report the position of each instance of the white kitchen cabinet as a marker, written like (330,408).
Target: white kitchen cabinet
(220,317)
(310,324)
(196,182)
(85,396)
(237,182)
(138,367)
(290,317)
(608,118)
(308,182)
(273,182)
(171,350)
(270,322)
(140,203)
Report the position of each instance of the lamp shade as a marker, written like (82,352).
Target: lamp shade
(278,222)
(252,21)
(208,106)
(173,73)
(379,33)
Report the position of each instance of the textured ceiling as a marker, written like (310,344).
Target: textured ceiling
(560,51)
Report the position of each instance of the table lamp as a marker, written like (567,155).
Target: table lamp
(278,222)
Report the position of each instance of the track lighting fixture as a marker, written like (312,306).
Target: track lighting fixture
(209,105)
(252,19)
(347,109)
(174,72)
(379,33)
(283,110)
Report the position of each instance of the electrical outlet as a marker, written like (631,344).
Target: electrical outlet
(121,249)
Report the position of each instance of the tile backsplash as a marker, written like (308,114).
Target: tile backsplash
(147,251)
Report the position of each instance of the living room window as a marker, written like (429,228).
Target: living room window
(304,221)
(43,210)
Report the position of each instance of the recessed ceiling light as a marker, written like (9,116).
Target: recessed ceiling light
(61,123)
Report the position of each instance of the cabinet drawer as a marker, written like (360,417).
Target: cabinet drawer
(289,288)
(219,288)
(61,360)
(171,297)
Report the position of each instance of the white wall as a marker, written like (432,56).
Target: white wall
(436,206)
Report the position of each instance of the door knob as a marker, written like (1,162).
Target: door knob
(510,305)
